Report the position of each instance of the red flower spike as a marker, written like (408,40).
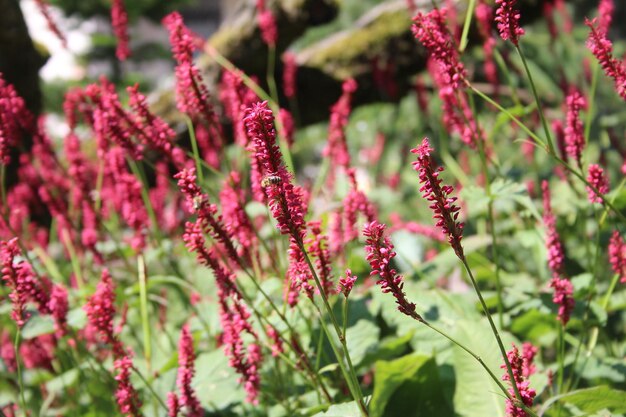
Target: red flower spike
(520,368)
(445,211)
(380,253)
(508,18)
(186,370)
(127,397)
(119,20)
(617,255)
(599,181)
(346,283)
(602,48)
(431,30)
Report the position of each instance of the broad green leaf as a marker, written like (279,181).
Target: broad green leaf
(38,325)
(408,387)
(361,338)
(350,409)
(472,380)
(592,400)
(216,381)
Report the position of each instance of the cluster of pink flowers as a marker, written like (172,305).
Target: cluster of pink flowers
(19,276)
(346,283)
(508,19)
(267,23)
(521,368)
(599,181)
(284,198)
(574,132)
(100,309)
(192,95)
(445,211)
(208,219)
(602,48)
(44,9)
(355,203)
(430,29)
(290,74)
(127,397)
(380,254)
(318,247)
(119,21)
(563,289)
(605,15)
(336,148)
(617,255)
(186,370)
(484,17)
(15,119)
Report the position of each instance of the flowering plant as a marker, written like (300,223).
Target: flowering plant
(459,252)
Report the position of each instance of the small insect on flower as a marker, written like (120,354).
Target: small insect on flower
(198,201)
(271,180)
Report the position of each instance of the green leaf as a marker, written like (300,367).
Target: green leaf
(350,409)
(361,338)
(217,381)
(592,400)
(408,387)
(38,325)
(472,380)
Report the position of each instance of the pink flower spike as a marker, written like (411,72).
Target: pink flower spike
(431,30)
(519,367)
(556,256)
(602,48)
(186,370)
(346,283)
(380,253)
(617,255)
(444,209)
(173,407)
(563,297)
(599,181)
(267,23)
(573,131)
(508,18)
(127,397)
(290,74)
(119,20)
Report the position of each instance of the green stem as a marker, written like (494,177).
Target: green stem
(194,148)
(466,25)
(143,305)
(494,329)
(152,391)
(544,123)
(20,380)
(350,374)
(561,359)
(591,100)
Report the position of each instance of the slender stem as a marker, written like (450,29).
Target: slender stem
(152,391)
(194,148)
(554,156)
(494,329)
(561,359)
(539,107)
(591,100)
(271,66)
(20,380)
(351,375)
(466,26)
(143,303)
(354,390)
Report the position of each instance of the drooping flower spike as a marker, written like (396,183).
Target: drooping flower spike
(380,254)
